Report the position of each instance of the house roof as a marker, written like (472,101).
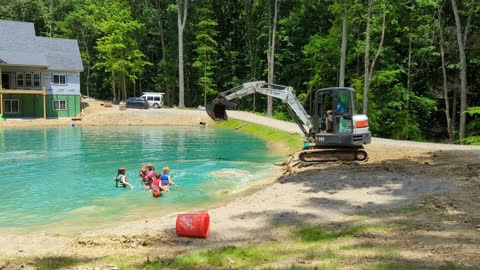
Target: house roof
(20,46)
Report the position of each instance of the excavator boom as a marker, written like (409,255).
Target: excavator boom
(217,110)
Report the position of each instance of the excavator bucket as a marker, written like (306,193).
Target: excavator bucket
(217,110)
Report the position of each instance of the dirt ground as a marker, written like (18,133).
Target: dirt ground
(430,192)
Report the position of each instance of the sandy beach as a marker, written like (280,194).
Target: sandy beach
(397,174)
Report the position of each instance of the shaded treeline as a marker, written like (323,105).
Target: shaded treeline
(418,61)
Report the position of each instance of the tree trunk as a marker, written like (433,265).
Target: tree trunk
(463,71)
(134,87)
(444,73)
(454,109)
(89,67)
(164,49)
(409,78)
(271,52)
(251,38)
(113,87)
(181,26)
(124,83)
(366,84)
(341,79)
(369,73)
(251,41)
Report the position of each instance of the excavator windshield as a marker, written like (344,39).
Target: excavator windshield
(333,110)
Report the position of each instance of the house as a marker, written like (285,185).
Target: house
(40,76)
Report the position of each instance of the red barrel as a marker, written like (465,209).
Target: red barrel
(193,225)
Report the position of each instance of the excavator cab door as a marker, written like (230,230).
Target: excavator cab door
(333,110)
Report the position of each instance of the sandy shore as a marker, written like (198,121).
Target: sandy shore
(396,174)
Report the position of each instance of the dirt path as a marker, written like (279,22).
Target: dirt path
(398,173)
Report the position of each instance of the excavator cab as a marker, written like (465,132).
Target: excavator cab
(333,110)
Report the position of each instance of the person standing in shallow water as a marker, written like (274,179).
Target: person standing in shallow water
(157,185)
(121,179)
(166,180)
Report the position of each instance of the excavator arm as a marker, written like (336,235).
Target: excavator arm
(217,110)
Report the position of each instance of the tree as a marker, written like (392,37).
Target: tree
(117,48)
(370,65)
(272,29)
(182,9)
(81,25)
(343,51)
(444,74)
(461,40)
(206,51)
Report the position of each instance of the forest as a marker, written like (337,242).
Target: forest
(415,64)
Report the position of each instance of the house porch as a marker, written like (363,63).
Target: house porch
(19,86)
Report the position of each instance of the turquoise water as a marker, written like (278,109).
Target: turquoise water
(64,175)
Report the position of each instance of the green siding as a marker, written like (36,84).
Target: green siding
(73,106)
(31,106)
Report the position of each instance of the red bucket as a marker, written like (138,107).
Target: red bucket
(193,225)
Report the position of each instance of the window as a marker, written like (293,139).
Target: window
(36,79)
(11,105)
(28,79)
(149,98)
(59,105)
(20,79)
(59,79)
(156,98)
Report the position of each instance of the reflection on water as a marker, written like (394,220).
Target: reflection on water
(59,174)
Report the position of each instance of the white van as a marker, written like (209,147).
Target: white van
(155,99)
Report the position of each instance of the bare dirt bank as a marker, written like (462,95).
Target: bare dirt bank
(94,113)
(441,180)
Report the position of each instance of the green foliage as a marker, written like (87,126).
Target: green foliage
(225,44)
(473,127)
(118,49)
(206,50)
(321,63)
(473,111)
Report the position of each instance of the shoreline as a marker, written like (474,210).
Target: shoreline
(397,174)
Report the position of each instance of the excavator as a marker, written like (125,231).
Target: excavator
(333,132)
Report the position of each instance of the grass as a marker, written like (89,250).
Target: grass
(293,141)
(316,234)
(60,262)
(354,247)
(318,245)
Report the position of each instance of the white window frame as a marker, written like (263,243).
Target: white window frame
(5,110)
(36,79)
(18,79)
(28,79)
(59,82)
(57,105)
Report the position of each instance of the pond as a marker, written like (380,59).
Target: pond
(63,176)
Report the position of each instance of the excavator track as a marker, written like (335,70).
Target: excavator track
(319,155)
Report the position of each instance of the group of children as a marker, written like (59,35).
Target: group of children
(151,180)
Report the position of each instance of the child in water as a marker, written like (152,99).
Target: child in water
(121,179)
(147,173)
(166,180)
(157,187)
(143,174)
